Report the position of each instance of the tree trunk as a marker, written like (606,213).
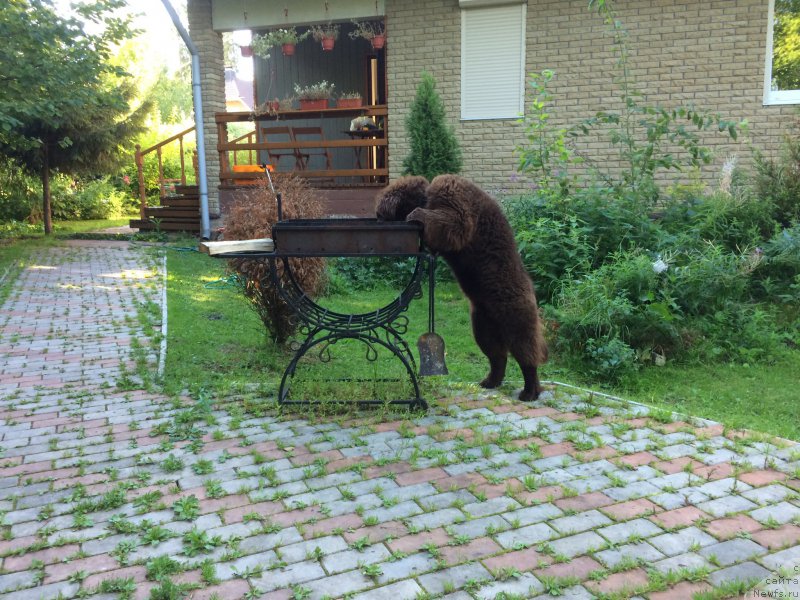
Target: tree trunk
(48,219)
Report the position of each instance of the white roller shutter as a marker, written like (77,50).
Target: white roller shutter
(492,62)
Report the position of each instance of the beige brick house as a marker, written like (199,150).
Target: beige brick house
(710,54)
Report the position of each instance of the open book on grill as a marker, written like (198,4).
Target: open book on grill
(259,245)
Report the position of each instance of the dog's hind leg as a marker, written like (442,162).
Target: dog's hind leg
(492,346)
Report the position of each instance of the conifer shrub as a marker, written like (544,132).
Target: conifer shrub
(434,147)
(252,216)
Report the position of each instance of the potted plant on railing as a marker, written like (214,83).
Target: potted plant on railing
(349,100)
(372,31)
(315,96)
(326,35)
(287,39)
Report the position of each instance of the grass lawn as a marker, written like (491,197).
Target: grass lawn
(216,341)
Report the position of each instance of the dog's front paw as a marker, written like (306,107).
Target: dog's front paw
(418,214)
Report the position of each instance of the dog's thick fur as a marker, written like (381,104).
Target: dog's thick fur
(468,228)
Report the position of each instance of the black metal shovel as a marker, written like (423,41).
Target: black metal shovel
(430,344)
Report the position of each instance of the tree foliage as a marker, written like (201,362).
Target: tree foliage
(434,147)
(64,105)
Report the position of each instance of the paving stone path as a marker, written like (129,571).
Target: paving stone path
(108,490)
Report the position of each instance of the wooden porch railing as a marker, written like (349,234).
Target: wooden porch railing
(228,150)
(164,183)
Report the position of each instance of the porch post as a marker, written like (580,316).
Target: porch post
(212,85)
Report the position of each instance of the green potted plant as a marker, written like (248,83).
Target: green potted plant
(287,39)
(314,96)
(326,35)
(349,100)
(372,31)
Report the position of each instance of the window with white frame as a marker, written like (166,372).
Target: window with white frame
(782,72)
(492,59)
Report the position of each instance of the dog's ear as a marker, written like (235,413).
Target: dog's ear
(397,200)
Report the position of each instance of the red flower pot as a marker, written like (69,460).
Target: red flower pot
(327,44)
(378,42)
(288,49)
(314,104)
(349,102)
(247,51)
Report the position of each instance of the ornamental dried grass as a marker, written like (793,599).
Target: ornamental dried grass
(252,216)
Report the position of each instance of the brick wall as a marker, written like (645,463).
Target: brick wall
(710,54)
(212,74)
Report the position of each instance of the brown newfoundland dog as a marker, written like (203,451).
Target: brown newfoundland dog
(468,228)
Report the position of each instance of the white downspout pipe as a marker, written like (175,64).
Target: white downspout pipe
(205,223)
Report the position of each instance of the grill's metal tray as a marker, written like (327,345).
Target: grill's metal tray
(346,237)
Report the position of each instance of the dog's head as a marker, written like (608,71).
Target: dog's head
(394,202)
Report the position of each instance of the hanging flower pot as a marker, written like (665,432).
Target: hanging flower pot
(285,38)
(378,42)
(288,49)
(247,51)
(326,35)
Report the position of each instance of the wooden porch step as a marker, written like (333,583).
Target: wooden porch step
(181,202)
(190,190)
(167,212)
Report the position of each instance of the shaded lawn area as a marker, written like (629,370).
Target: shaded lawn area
(217,342)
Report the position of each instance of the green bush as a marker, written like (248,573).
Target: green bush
(777,181)
(20,194)
(434,147)
(74,200)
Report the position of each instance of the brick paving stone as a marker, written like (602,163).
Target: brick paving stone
(414,542)
(783,536)
(438,518)
(689,561)
(478,527)
(584,502)
(631,509)
(627,581)
(629,552)
(46,592)
(725,529)
(409,566)
(352,559)
(631,491)
(575,592)
(16,580)
(782,559)
(727,505)
(579,522)
(523,586)
(743,572)
(783,512)
(377,533)
(576,545)
(476,549)
(525,536)
(252,562)
(343,583)
(622,532)
(679,517)
(673,544)
(768,494)
(453,578)
(685,589)
(759,478)
(579,567)
(402,590)
(301,550)
(294,574)
(733,551)
(491,507)
(521,560)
